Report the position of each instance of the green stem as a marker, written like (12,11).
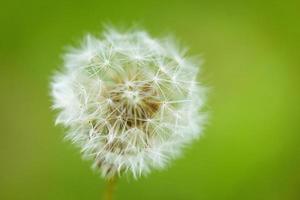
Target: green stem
(110,188)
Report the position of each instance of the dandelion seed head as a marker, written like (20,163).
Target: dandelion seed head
(130,102)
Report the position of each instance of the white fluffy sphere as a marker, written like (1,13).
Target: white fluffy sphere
(129,101)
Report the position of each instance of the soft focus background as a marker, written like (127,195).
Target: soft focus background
(250,149)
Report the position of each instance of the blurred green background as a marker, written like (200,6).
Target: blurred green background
(250,149)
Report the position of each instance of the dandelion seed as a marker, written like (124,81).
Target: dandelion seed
(130,102)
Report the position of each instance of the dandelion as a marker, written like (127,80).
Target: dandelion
(130,102)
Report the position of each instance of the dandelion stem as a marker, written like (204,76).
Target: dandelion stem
(110,188)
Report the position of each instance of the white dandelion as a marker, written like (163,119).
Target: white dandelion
(130,102)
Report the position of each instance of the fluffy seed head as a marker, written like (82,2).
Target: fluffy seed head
(129,101)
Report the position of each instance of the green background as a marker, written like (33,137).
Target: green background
(250,149)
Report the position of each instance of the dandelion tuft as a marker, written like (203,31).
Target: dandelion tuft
(130,102)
